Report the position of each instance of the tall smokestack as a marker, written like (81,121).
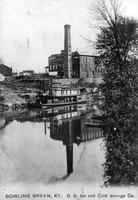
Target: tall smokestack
(67,52)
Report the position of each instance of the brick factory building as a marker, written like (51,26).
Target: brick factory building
(56,65)
(69,64)
(5,70)
(85,66)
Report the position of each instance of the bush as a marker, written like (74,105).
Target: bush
(2,98)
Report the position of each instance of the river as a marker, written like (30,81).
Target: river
(50,146)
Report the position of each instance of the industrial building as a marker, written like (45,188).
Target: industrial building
(69,64)
(5,71)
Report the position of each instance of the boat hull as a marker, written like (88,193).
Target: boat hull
(34,105)
(50,105)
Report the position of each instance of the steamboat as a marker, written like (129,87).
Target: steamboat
(58,95)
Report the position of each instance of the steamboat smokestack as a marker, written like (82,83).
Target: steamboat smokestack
(67,52)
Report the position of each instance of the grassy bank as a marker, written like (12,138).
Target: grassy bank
(12,98)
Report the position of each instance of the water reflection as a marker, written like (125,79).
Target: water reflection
(64,124)
(56,142)
(70,128)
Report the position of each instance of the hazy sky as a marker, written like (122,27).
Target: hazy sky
(31,30)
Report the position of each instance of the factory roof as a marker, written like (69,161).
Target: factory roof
(84,53)
(81,53)
(54,55)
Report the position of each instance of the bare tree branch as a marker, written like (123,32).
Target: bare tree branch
(105,12)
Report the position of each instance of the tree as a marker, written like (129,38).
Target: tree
(117,43)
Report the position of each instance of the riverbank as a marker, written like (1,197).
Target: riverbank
(14,98)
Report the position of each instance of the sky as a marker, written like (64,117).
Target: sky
(32,30)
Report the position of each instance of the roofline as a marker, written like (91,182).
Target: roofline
(88,55)
(79,54)
(58,54)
